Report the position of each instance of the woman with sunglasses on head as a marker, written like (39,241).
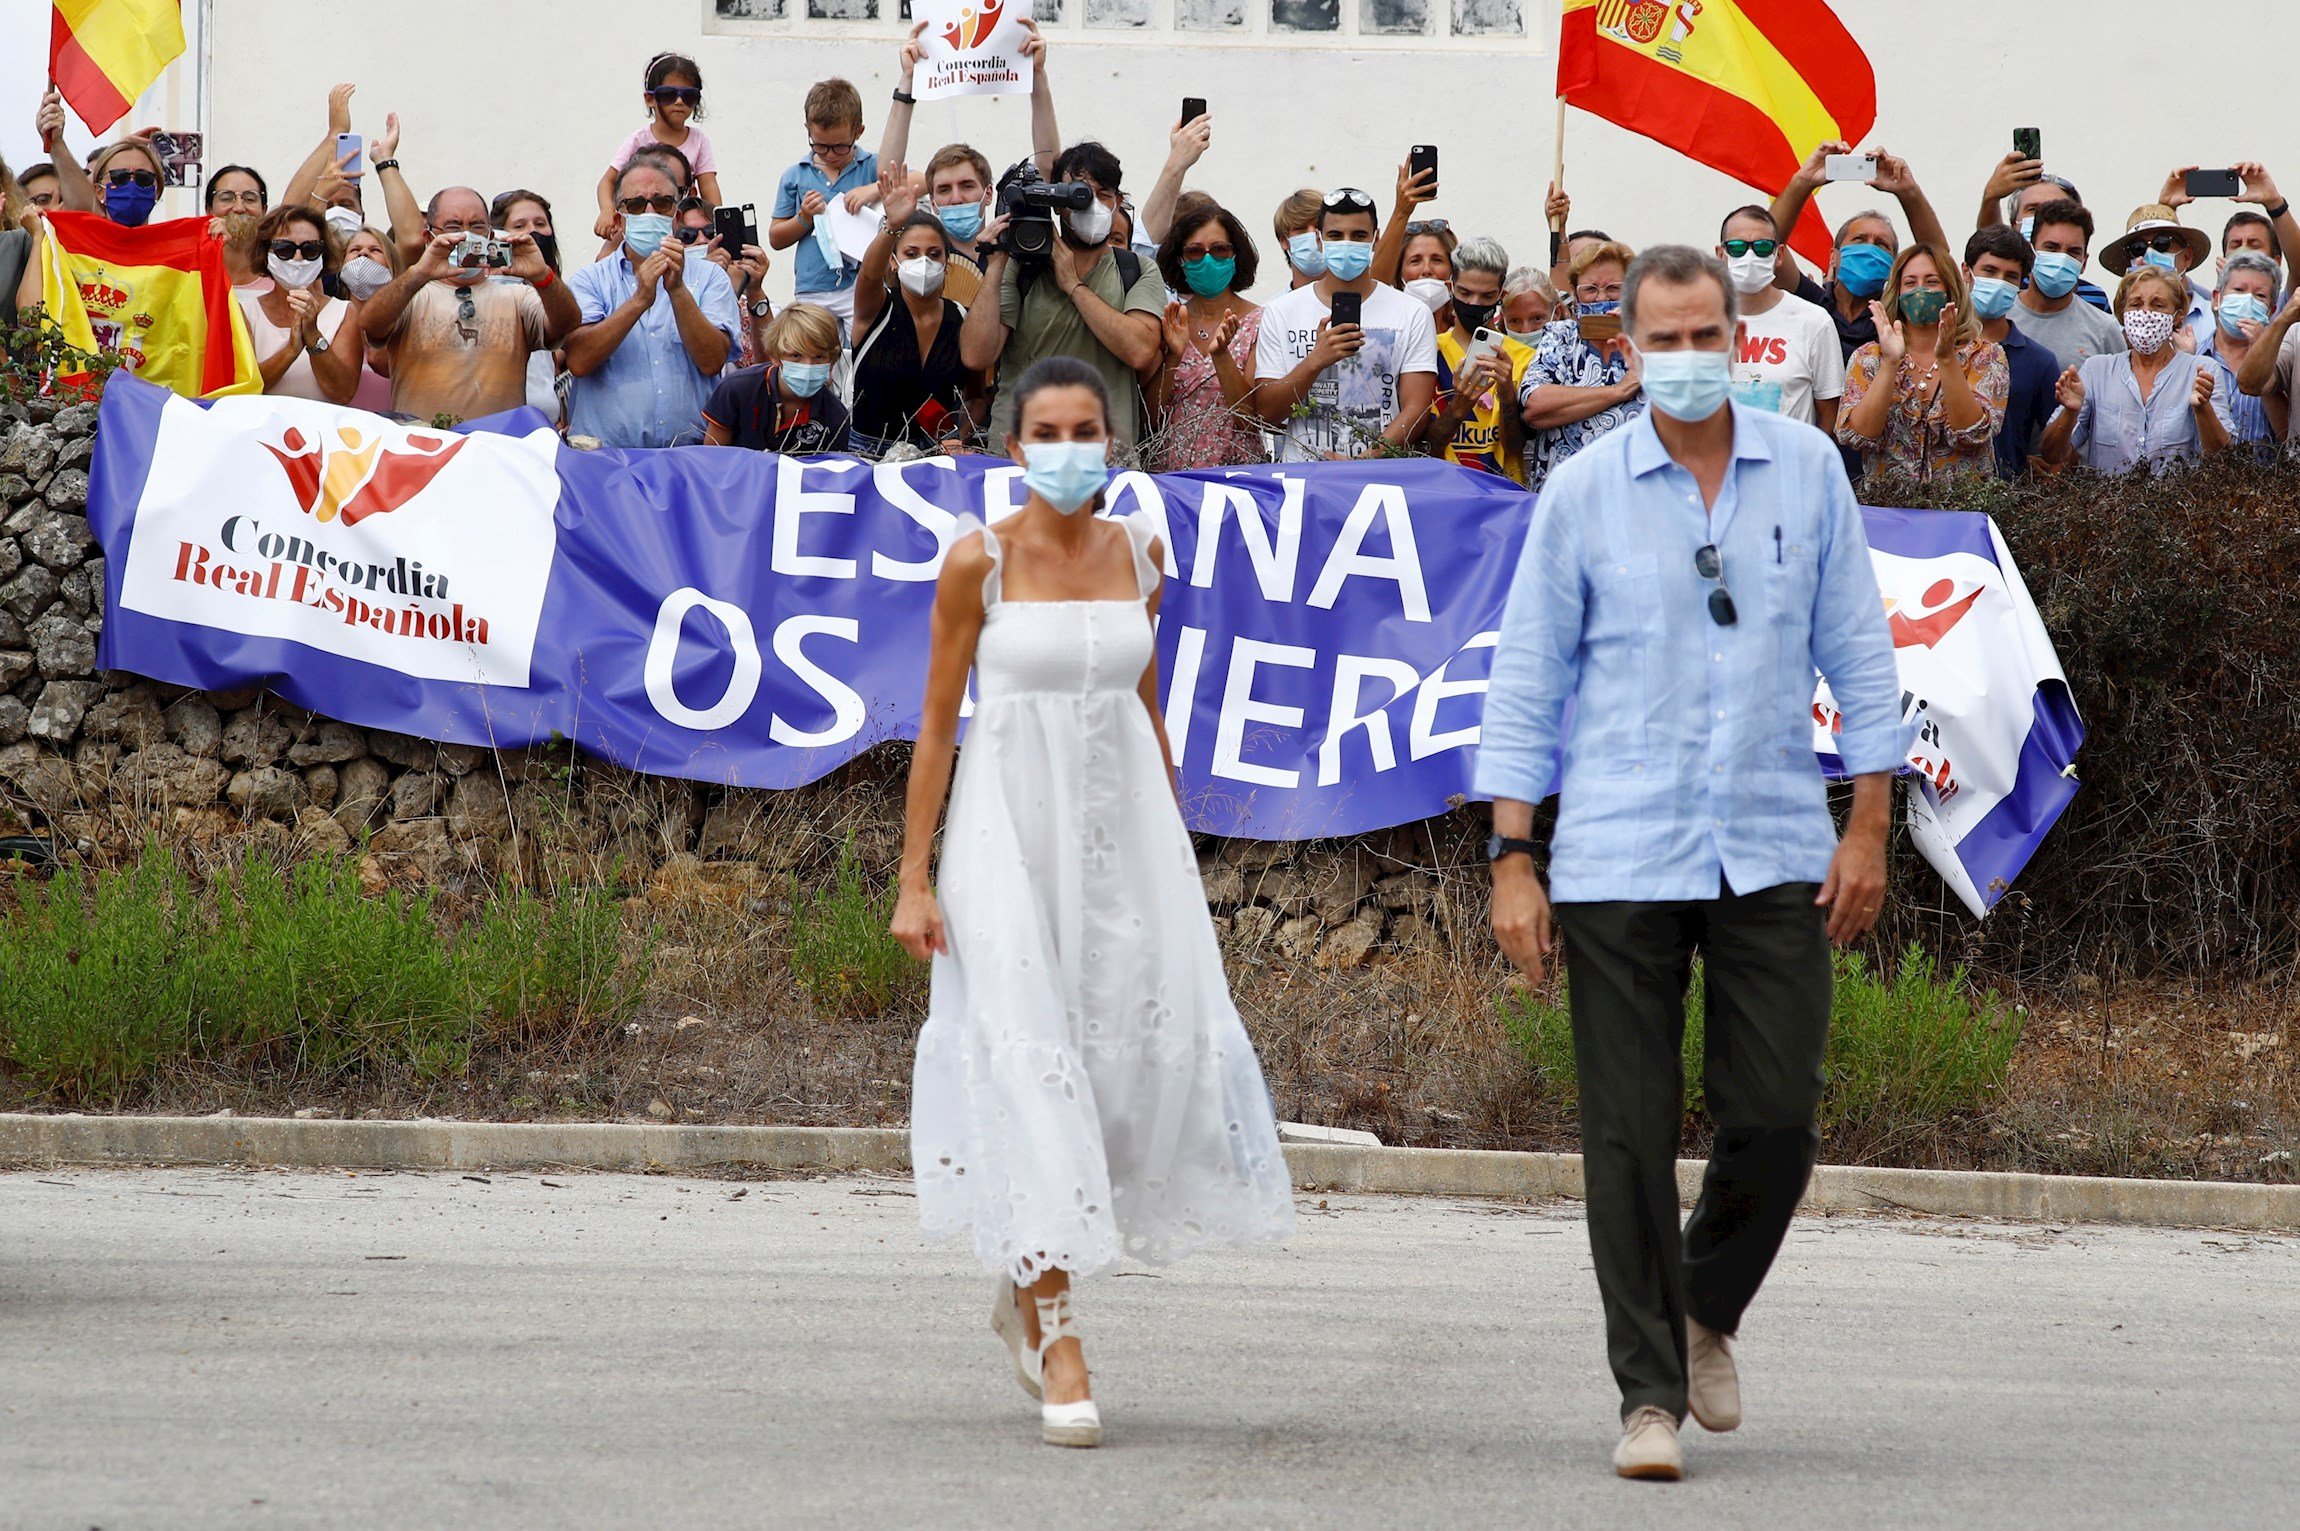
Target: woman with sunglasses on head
(1204,393)
(909,385)
(307,343)
(521,211)
(673,95)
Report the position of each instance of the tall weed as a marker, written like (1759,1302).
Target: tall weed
(841,952)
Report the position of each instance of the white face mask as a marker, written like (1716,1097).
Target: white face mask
(294,274)
(1751,274)
(1433,293)
(1091,224)
(364,276)
(346,221)
(921,276)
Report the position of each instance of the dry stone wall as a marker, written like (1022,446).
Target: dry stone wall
(100,761)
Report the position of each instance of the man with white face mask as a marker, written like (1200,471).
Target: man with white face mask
(658,327)
(1787,358)
(1718,547)
(1078,301)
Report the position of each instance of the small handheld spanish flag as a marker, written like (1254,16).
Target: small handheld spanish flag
(1748,87)
(103,54)
(159,296)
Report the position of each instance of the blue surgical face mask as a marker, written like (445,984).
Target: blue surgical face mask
(1066,474)
(1307,254)
(1688,385)
(2162,260)
(806,378)
(2239,306)
(1993,296)
(1609,306)
(645,232)
(961,220)
(2028,227)
(130,206)
(1347,260)
(2056,273)
(1862,269)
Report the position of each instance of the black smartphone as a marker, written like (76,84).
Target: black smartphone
(2213,183)
(547,246)
(1423,157)
(1193,108)
(2028,143)
(1349,308)
(736,227)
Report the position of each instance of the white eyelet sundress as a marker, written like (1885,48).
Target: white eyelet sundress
(1084,1088)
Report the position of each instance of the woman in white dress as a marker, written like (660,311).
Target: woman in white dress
(1084,1088)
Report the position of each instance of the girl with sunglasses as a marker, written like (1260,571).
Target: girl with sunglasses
(674,99)
(307,343)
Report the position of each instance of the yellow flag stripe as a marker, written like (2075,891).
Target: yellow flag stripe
(1728,51)
(130,40)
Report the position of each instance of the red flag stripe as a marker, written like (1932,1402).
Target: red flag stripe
(82,81)
(1812,41)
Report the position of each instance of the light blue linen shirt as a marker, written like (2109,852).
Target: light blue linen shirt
(1687,752)
(648,393)
(2117,430)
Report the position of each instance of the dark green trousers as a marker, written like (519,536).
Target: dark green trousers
(1767,978)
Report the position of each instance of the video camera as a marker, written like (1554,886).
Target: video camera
(1032,207)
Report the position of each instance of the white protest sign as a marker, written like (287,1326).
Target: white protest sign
(973,48)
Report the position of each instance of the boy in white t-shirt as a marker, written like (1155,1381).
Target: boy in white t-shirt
(1787,358)
(1347,390)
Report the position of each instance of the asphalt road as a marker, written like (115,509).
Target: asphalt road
(200,1349)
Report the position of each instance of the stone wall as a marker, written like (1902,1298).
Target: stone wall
(102,761)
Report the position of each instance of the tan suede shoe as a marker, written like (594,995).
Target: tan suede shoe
(1648,1447)
(1712,1386)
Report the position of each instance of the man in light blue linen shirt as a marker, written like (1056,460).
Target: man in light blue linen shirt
(1682,579)
(657,328)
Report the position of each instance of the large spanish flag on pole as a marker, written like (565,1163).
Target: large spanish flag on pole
(159,296)
(103,54)
(1748,87)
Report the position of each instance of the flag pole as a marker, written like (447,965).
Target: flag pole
(1557,161)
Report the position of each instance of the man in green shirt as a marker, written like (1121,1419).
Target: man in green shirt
(1082,301)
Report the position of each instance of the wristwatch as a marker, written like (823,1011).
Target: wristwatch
(763,309)
(1498,846)
(317,345)
(387,164)
(906,98)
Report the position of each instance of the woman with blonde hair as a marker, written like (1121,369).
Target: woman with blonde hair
(1927,396)
(2156,404)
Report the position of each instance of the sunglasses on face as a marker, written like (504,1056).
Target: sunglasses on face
(1222,251)
(1759,247)
(691,236)
(299,249)
(677,95)
(1426,226)
(2165,244)
(634,206)
(1346,198)
(1710,565)
(131,178)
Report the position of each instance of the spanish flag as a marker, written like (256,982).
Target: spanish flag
(159,296)
(1748,87)
(103,54)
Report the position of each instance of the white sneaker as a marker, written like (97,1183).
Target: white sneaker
(1648,1446)
(1712,1384)
(1006,1323)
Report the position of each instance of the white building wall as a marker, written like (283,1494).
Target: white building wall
(538,92)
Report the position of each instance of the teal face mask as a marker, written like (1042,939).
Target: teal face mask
(1347,260)
(1924,305)
(1208,277)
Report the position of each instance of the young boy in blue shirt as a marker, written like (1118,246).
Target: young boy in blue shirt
(836,164)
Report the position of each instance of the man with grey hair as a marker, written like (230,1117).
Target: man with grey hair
(457,339)
(1473,420)
(1682,579)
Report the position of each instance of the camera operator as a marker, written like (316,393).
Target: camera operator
(1062,291)
(458,341)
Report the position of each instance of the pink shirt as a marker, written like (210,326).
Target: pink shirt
(696,147)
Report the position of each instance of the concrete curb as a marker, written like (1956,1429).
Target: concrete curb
(28,1140)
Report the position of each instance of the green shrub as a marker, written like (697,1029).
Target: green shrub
(106,980)
(842,954)
(1908,1051)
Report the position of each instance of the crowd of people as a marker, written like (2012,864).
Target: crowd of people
(1395,335)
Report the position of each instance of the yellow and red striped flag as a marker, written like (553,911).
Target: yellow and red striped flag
(159,296)
(103,54)
(1748,87)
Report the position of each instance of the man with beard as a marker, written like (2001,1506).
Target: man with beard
(1087,301)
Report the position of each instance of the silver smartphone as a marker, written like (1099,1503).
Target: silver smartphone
(1849,167)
